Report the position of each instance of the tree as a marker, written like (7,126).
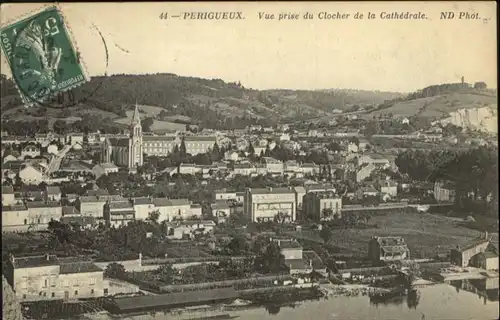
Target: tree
(480,85)
(154,216)
(147,124)
(238,245)
(251,150)
(326,234)
(115,270)
(182,148)
(327,213)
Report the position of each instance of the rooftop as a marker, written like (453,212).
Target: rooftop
(200,138)
(42,204)
(69,210)
(174,299)
(79,267)
(53,190)
(125,204)
(15,207)
(7,190)
(390,241)
(288,244)
(164,202)
(270,190)
(142,201)
(36,261)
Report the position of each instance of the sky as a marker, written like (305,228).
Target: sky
(375,54)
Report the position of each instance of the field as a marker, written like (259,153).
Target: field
(157,124)
(438,106)
(425,234)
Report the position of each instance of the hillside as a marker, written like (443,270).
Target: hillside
(173,101)
(201,100)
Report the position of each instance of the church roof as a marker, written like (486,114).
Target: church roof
(118,142)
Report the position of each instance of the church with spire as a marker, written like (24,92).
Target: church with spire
(126,152)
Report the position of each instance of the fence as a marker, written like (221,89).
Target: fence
(222,284)
(158,261)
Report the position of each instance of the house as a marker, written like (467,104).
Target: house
(224,194)
(364,172)
(104,169)
(291,167)
(75,139)
(309,168)
(53,193)
(40,213)
(387,249)
(15,218)
(264,204)
(180,230)
(53,149)
(323,205)
(388,187)
(375,159)
(91,205)
(285,137)
(231,156)
(405,121)
(273,166)
(30,151)
(143,206)
(221,210)
(196,211)
(462,255)
(352,147)
(32,174)
(9,158)
(50,278)
(8,196)
(444,191)
(244,169)
(367,191)
(71,216)
(486,260)
(118,213)
(172,209)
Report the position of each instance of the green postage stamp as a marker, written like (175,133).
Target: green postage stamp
(41,56)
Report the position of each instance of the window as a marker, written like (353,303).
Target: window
(106,291)
(38,220)
(76,292)
(24,296)
(25,221)
(45,283)
(40,293)
(92,291)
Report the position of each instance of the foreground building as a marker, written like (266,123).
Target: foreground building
(387,249)
(49,278)
(265,204)
(323,205)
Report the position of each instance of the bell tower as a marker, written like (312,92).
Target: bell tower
(135,141)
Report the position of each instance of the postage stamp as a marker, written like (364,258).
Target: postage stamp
(42,56)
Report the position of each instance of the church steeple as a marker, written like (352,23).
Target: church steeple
(136,118)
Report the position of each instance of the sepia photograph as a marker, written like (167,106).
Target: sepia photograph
(249,160)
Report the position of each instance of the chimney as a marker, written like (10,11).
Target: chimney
(310,264)
(47,256)
(486,235)
(271,189)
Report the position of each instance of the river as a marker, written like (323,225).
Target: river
(435,302)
